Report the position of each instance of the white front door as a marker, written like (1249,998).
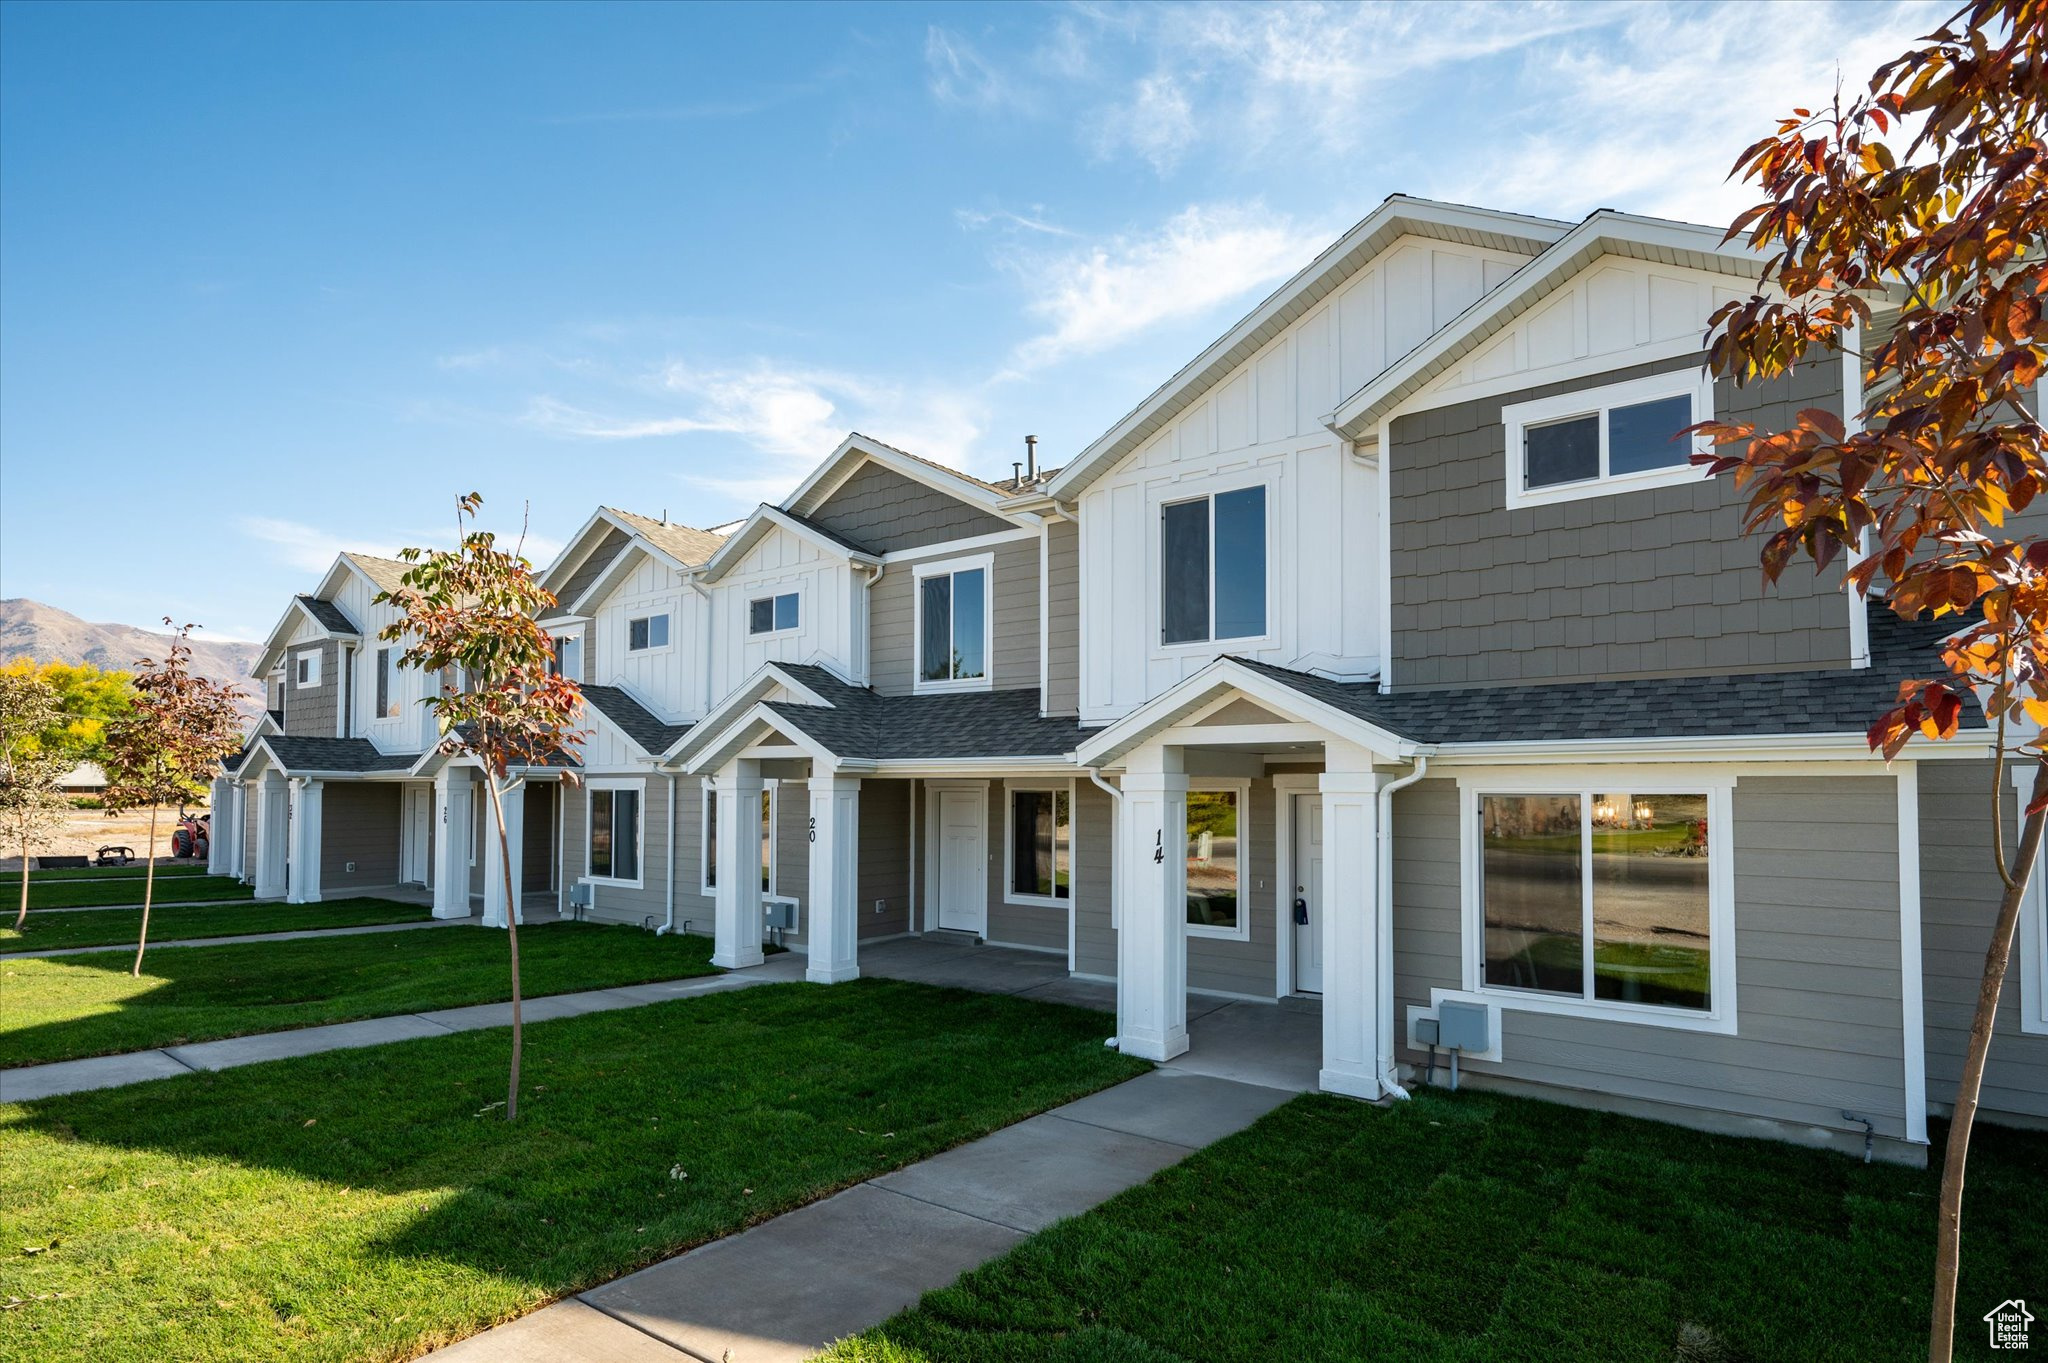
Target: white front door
(963,876)
(419,821)
(1307,900)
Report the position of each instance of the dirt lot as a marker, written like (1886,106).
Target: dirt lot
(88,830)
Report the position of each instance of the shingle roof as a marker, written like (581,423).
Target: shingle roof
(933,463)
(686,545)
(329,615)
(1835,701)
(300,752)
(833,535)
(385,572)
(633,719)
(980,724)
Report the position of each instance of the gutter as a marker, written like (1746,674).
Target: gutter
(1116,798)
(669,925)
(1384,1047)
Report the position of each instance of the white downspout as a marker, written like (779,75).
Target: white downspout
(1385,1044)
(1117,799)
(670,925)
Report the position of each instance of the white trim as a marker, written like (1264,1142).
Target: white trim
(310,681)
(1011,895)
(638,785)
(1383,498)
(1157,499)
(1719,789)
(985,564)
(1287,785)
(967,545)
(667,616)
(707,847)
(1045,618)
(1242,788)
(577,634)
(858,449)
(771,793)
(1852,422)
(2031,941)
(1429,399)
(1519,418)
(765,517)
(773,597)
(1912,969)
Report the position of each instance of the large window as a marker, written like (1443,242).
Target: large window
(614,846)
(1601,895)
(1041,845)
(1215,858)
(1614,438)
(709,826)
(768,840)
(387,683)
(952,626)
(1212,568)
(568,660)
(306,668)
(773,614)
(644,632)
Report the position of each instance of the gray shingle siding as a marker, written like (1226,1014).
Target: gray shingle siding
(592,568)
(1013,626)
(1646,583)
(1959,893)
(884,872)
(1094,836)
(313,710)
(881,511)
(1063,611)
(1819,1021)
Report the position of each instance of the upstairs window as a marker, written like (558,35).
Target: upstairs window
(772,614)
(1617,438)
(306,668)
(568,660)
(1212,568)
(387,683)
(952,625)
(645,632)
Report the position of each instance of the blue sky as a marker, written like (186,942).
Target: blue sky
(276,281)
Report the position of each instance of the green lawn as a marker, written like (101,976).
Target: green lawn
(12,879)
(171,922)
(1462,1228)
(74,1006)
(78,894)
(367,1205)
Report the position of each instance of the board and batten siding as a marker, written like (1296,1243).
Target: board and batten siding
(1818,998)
(359,828)
(413,728)
(1959,894)
(882,511)
(1653,582)
(832,614)
(1063,618)
(1013,623)
(668,681)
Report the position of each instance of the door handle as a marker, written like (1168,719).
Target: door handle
(1300,912)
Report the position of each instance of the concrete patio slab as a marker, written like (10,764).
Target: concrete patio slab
(1081,993)
(338,1036)
(567,1332)
(1185,1110)
(77,1076)
(1277,1045)
(1039,1171)
(786,1288)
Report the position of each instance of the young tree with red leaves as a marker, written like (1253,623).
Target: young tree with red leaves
(179,729)
(471,616)
(1915,491)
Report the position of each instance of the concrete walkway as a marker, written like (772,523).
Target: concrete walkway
(109,1071)
(783,1290)
(158,907)
(291,935)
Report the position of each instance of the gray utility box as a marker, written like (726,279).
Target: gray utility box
(779,914)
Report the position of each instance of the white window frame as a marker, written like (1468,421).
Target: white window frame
(638,785)
(943,568)
(667,612)
(707,845)
(1012,789)
(771,788)
(1210,489)
(575,635)
(394,705)
(755,595)
(2033,933)
(1243,931)
(1586,783)
(1599,402)
(311,680)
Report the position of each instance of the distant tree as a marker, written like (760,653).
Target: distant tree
(1914,491)
(177,733)
(471,617)
(88,699)
(32,768)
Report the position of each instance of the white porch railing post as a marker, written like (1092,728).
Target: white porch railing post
(1152,959)
(834,886)
(454,834)
(303,876)
(1350,795)
(737,917)
(513,801)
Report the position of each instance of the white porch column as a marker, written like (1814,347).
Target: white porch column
(737,919)
(1351,976)
(227,830)
(1151,944)
(513,801)
(217,807)
(273,815)
(835,870)
(302,880)
(453,831)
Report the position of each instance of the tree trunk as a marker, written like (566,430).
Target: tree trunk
(21,919)
(511,936)
(1949,1219)
(148,893)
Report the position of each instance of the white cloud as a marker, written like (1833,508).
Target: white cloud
(1203,257)
(974,219)
(959,74)
(1157,123)
(312,550)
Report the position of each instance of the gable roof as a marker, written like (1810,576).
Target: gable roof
(328,616)
(685,544)
(650,734)
(1398,216)
(383,573)
(305,755)
(858,449)
(1602,233)
(767,518)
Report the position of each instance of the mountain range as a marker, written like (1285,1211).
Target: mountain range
(30,629)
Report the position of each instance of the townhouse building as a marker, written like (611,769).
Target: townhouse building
(1390,653)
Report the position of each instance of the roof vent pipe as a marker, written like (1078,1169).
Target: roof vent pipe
(1016,474)
(1031,456)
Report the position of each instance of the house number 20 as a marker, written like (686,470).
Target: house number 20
(814,829)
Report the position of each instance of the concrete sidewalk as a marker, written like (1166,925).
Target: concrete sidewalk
(108,1071)
(290,935)
(785,1289)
